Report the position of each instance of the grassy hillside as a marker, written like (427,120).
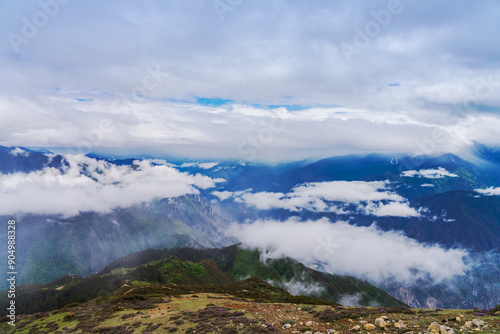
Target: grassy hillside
(205,272)
(285,273)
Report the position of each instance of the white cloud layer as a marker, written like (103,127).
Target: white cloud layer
(429,173)
(234,131)
(351,250)
(222,195)
(298,288)
(491,191)
(94,185)
(351,300)
(370,198)
(19,151)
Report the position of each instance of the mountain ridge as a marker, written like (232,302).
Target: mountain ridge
(163,267)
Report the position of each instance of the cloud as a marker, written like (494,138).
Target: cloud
(446,72)
(370,198)
(394,209)
(295,55)
(94,185)
(222,195)
(239,132)
(429,173)
(491,191)
(298,288)
(351,300)
(352,250)
(19,151)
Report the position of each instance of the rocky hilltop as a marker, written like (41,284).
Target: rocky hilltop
(134,309)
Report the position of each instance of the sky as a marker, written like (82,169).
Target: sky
(250,80)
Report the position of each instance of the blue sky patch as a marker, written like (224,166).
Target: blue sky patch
(214,102)
(289,107)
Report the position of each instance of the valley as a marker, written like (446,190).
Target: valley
(430,205)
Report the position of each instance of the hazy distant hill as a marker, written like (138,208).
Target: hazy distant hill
(53,246)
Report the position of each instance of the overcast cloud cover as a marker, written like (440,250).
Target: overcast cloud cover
(414,76)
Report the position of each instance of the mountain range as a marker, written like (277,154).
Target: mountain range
(445,201)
